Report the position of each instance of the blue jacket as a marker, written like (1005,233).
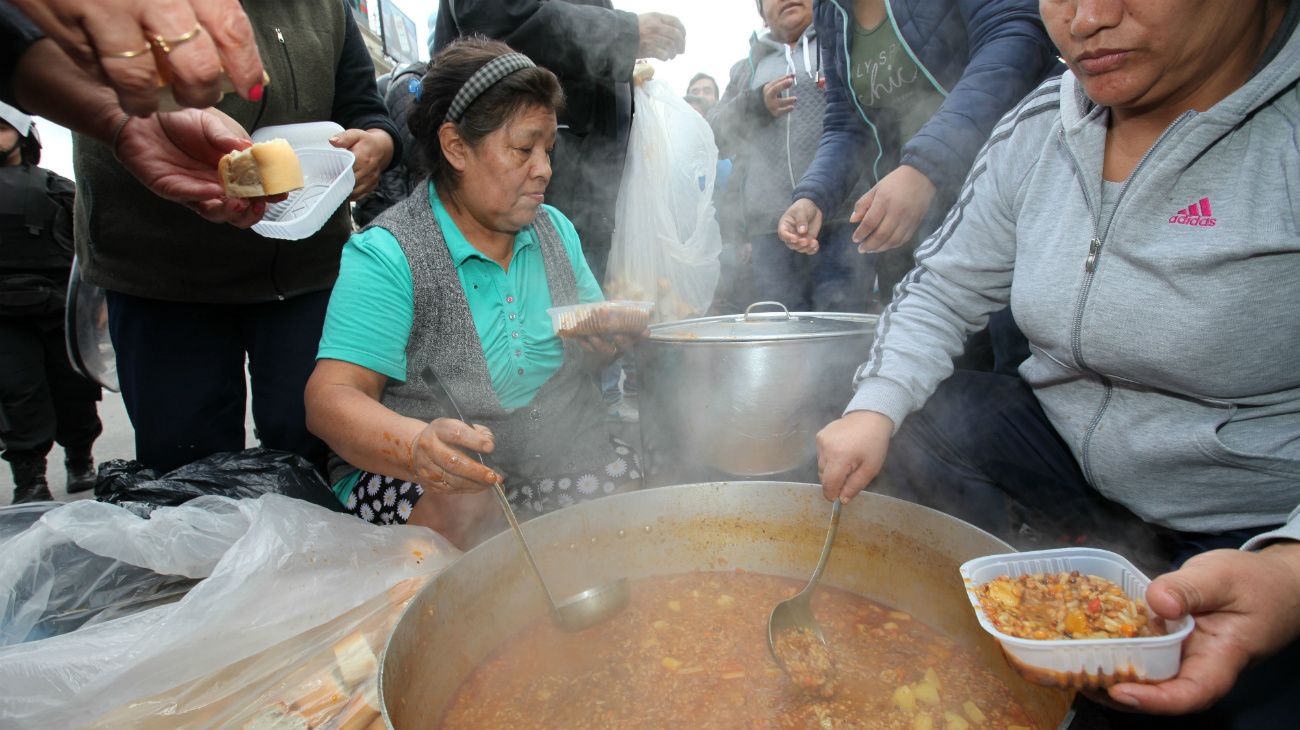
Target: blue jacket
(982,55)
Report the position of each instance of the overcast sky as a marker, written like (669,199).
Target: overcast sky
(717,35)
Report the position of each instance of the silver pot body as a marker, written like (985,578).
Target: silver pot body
(746,406)
(889,550)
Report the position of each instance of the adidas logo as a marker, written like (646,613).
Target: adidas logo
(1196,214)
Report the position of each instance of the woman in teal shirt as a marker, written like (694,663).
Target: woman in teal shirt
(449,290)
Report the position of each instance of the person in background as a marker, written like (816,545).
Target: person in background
(770,121)
(400,91)
(704,87)
(702,93)
(42,399)
(447,292)
(912,90)
(1141,212)
(197,310)
(699,104)
(591,48)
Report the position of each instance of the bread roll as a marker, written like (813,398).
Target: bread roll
(356,660)
(266,168)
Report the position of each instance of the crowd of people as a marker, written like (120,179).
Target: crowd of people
(1104,189)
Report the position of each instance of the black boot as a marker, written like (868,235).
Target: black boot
(29,479)
(81,469)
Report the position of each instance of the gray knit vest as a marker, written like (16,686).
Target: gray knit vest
(562,430)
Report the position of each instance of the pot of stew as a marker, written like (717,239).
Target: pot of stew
(707,562)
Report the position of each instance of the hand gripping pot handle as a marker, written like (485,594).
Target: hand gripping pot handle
(750,308)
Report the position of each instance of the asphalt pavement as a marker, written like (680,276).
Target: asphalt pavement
(117,442)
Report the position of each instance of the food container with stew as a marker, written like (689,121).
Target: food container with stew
(327,180)
(1084,663)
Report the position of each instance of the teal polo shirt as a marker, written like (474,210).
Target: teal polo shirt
(373,305)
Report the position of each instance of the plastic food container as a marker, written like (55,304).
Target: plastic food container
(1079,663)
(327,177)
(593,318)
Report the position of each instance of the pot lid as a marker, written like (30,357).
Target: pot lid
(755,326)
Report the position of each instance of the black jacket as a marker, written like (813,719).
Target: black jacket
(131,241)
(35,240)
(591,48)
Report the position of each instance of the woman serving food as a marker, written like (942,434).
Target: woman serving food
(449,291)
(1140,215)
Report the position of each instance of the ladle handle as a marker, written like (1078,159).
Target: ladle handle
(826,548)
(519,533)
(432,381)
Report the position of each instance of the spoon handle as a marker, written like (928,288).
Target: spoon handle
(826,548)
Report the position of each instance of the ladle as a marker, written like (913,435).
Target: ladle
(796,613)
(579,611)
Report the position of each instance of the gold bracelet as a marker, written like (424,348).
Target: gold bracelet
(117,133)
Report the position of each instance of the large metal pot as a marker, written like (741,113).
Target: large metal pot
(892,551)
(745,395)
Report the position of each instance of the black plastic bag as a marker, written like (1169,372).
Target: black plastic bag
(246,474)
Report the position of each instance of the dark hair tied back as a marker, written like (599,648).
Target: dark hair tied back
(448,72)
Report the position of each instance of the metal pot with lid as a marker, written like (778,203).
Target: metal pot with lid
(745,395)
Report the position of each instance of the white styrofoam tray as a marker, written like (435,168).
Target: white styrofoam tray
(327,180)
(1080,663)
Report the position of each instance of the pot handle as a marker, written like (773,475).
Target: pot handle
(750,308)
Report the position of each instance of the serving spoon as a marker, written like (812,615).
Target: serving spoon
(795,613)
(579,611)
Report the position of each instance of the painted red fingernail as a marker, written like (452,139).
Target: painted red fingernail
(255,93)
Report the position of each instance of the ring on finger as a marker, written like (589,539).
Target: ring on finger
(167,44)
(126,54)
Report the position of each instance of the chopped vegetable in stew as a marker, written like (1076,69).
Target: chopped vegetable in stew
(1064,606)
(690,651)
(807,660)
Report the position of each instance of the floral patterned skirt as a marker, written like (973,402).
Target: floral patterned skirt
(387,500)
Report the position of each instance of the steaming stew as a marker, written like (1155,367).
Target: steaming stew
(1064,606)
(691,651)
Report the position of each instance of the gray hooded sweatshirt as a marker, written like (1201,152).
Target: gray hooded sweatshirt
(1163,317)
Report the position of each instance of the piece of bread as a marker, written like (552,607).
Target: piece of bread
(266,168)
(362,712)
(324,700)
(356,660)
(642,72)
(277,717)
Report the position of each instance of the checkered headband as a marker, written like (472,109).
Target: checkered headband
(483,79)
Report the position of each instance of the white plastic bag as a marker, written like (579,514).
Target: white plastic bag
(666,241)
(283,580)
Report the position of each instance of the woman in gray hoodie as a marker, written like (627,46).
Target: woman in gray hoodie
(1140,214)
